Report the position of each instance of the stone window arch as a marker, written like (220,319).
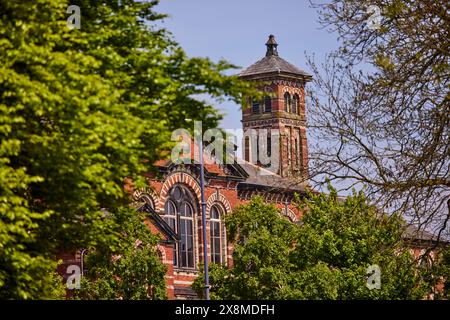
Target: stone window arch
(161,253)
(144,196)
(289,214)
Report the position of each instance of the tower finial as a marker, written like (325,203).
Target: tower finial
(271,46)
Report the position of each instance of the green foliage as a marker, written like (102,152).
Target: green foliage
(263,241)
(444,272)
(436,272)
(384,122)
(340,238)
(325,258)
(132,271)
(80,110)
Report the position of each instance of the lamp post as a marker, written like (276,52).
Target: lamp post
(202,191)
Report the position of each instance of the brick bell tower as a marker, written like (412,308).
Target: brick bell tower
(281,110)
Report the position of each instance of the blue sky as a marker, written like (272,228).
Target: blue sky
(237,31)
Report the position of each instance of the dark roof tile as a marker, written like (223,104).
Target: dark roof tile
(272,63)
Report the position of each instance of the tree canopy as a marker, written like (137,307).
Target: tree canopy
(383,121)
(81,110)
(133,271)
(327,256)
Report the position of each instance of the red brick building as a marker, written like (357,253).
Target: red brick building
(173,201)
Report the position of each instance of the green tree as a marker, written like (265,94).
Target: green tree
(326,257)
(435,270)
(340,238)
(444,272)
(385,123)
(132,270)
(263,242)
(80,110)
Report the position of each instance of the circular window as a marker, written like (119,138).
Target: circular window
(177,193)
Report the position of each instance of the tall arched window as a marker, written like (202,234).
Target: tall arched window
(215,227)
(267,104)
(295,104)
(287,102)
(170,216)
(179,215)
(255,106)
(187,236)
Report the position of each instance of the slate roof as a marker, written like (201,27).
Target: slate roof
(272,64)
(258,176)
(246,172)
(413,232)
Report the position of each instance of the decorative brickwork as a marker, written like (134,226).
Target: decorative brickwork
(287,114)
(217,197)
(175,178)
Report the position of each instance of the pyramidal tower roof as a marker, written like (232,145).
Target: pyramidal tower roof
(273,65)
